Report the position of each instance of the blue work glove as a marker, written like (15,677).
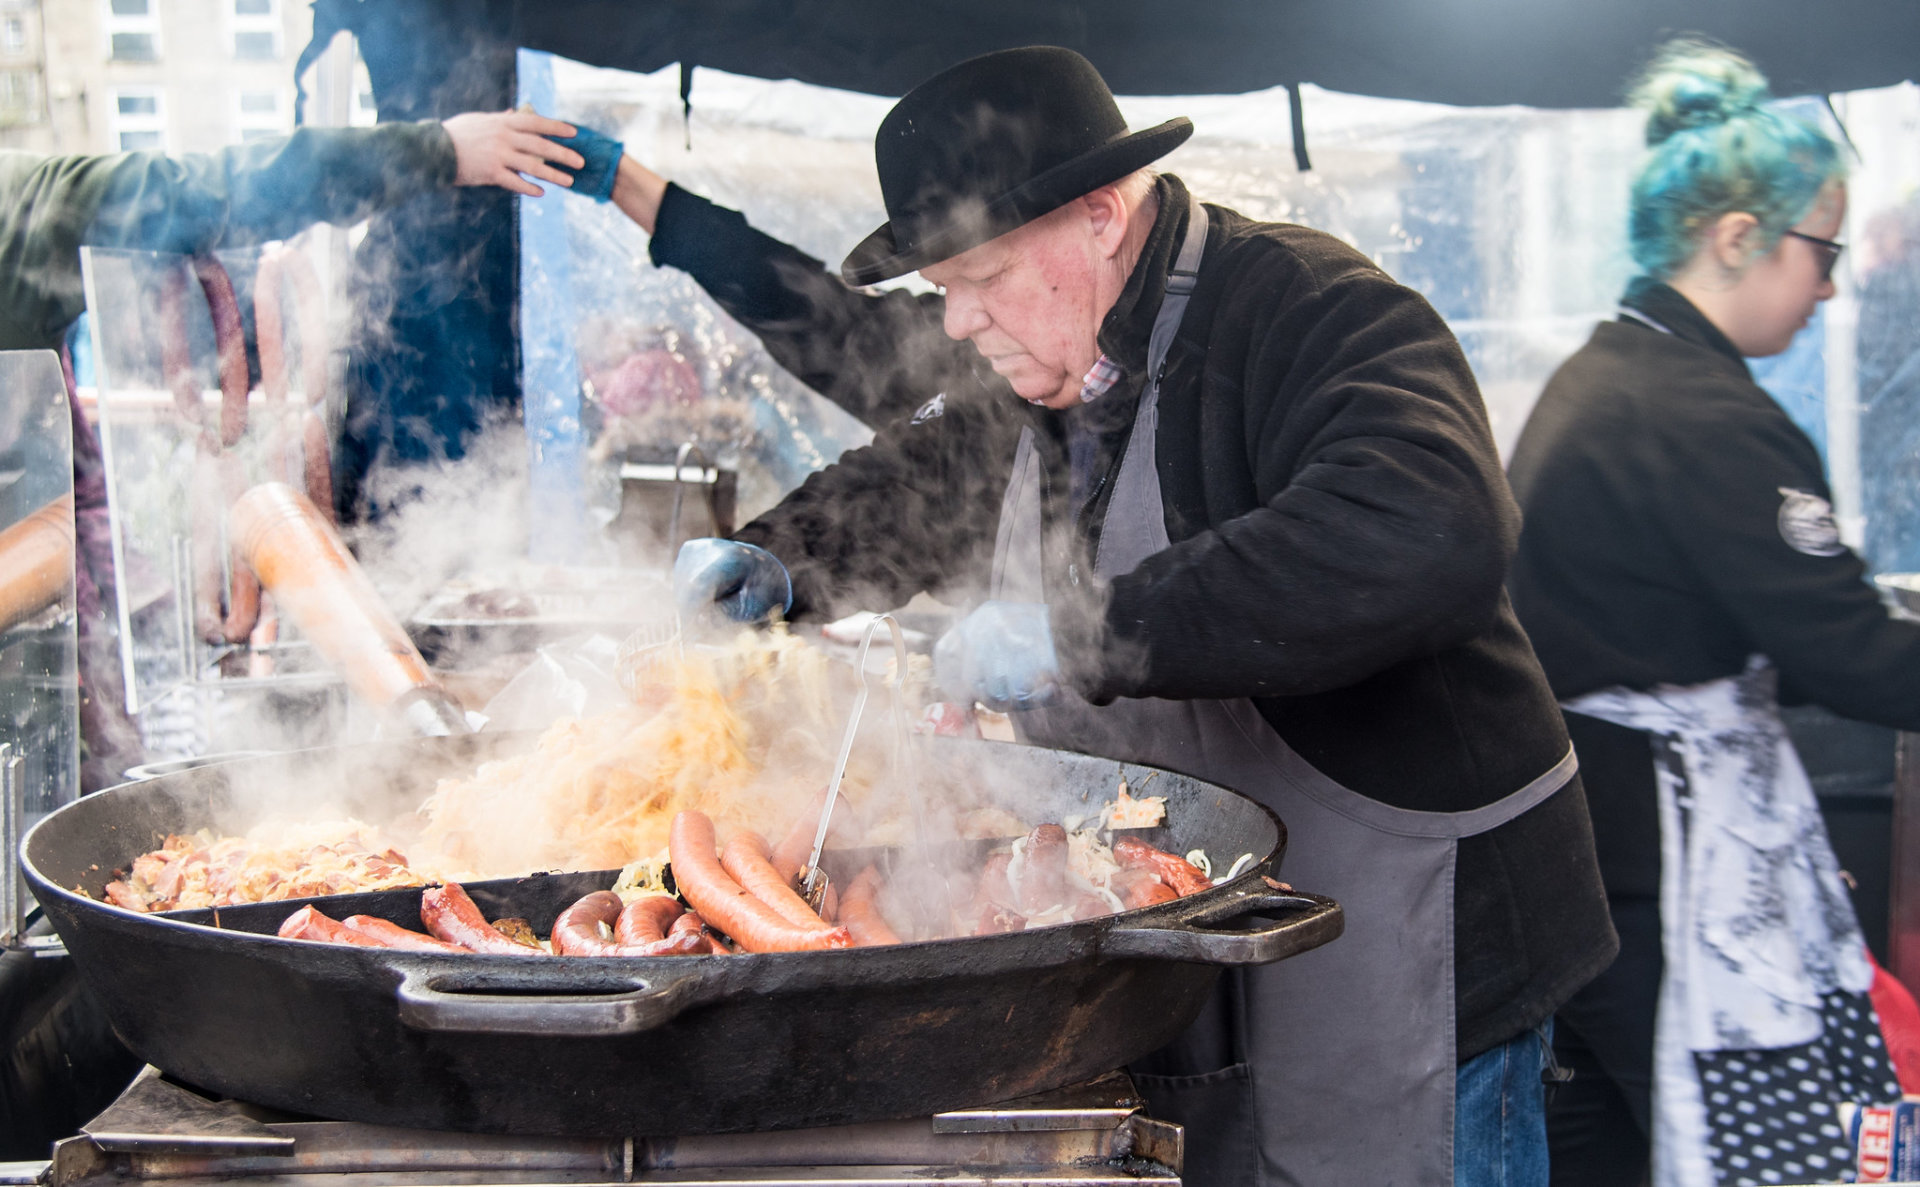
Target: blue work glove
(602,153)
(746,583)
(1000,655)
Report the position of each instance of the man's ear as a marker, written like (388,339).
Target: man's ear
(1107,216)
(1734,239)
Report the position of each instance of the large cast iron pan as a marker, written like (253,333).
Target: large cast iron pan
(674,1045)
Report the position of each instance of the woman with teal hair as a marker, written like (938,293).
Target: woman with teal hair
(1680,564)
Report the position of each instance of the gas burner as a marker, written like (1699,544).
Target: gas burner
(1088,1135)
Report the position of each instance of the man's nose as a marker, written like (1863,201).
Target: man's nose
(964,317)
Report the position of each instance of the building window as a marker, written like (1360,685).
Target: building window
(133,30)
(139,118)
(13,35)
(256,30)
(19,97)
(257,115)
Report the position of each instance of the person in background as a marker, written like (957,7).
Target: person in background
(61,1063)
(1244,519)
(270,189)
(1679,572)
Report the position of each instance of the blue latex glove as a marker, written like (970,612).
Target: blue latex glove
(602,153)
(746,583)
(1000,655)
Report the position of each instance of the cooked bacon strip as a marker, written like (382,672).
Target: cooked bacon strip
(727,905)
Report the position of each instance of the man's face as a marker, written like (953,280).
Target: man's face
(1029,302)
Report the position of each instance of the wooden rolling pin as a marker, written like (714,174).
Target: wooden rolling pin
(36,561)
(301,560)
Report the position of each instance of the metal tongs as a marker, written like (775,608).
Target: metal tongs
(813,879)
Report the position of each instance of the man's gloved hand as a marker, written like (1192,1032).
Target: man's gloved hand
(746,583)
(594,179)
(1000,655)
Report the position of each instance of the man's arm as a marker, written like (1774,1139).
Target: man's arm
(878,355)
(274,189)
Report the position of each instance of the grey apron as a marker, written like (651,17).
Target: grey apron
(1337,1066)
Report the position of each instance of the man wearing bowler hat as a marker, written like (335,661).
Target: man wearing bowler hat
(1245,520)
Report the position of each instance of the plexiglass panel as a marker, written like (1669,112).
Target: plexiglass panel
(39,684)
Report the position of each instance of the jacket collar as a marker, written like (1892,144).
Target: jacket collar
(1129,324)
(1673,312)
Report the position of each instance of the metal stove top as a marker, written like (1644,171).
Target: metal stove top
(1088,1135)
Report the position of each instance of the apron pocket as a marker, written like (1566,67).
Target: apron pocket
(1217,1110)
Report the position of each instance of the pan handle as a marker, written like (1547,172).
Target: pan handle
(1305,921)
(442,1001)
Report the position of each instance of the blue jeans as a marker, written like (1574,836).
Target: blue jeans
(1500,1115)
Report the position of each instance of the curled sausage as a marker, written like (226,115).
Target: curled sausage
(691,923)
(860,911)
(309,923)
(746,861)
(452,915)
(581,930)
(646,920)
(389,934)
(1177,872)
(727,905)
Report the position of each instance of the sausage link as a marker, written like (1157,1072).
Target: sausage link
(391,935)
(1177,872)
(229,339)
(790,858)
(577,930)
(860,911)
(647,920)
(308,923)
(724,903)
(451,914)
(746,860)
(692,923)
(1139,886)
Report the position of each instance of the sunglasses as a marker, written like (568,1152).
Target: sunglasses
(1829,251)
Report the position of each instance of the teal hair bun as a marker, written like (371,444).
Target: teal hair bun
(1695,84)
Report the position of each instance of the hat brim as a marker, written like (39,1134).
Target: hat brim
(878,257)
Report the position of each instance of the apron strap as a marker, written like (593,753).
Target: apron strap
(1408,822)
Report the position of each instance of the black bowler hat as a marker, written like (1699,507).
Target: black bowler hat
(990,144)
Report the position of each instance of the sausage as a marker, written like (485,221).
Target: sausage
(647,920)
(317,462)
(994,886)
(790,858)
(230,340)
(451,914)
(308,923)
(691,922)
(1043,874)
(391,935)
(745,859)
(725,904)
(1139,886)
(860,911)
(1177,872)
(577,931)
(36,561)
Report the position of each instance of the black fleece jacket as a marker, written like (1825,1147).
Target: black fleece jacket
(1671,532)
(1340,529)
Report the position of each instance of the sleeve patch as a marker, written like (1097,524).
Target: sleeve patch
(1806,523)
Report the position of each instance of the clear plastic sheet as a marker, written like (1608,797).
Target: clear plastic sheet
(39,650)
(1510,220)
